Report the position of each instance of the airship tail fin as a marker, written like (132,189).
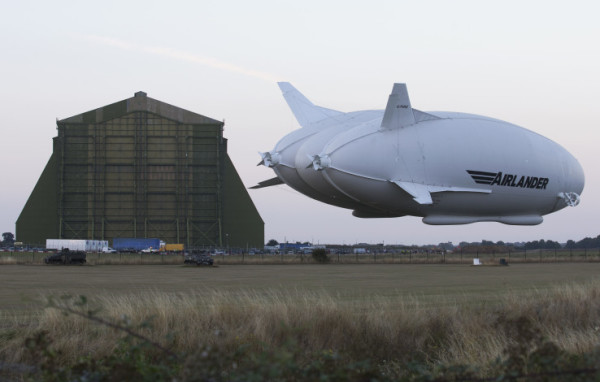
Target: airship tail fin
(305,111)
(398,112)
(268,183)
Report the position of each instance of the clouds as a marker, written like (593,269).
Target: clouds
(180,56)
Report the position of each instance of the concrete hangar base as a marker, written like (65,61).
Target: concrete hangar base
(141,168)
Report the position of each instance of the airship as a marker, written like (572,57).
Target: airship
(446,167)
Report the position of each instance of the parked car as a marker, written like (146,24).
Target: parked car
(66,257)
(108,250)
(198,259)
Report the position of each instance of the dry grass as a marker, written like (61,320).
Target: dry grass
(8,260)
(398,330)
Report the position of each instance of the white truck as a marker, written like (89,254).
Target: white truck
(76,244)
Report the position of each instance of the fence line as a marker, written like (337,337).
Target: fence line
(402,257)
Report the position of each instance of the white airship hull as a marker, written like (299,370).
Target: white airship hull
(449,168)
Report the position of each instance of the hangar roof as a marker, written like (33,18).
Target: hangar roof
(140,102)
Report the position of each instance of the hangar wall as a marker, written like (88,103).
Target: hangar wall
(39,218)
(141,168)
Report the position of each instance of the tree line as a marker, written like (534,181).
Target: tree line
(8,239)
(585,243)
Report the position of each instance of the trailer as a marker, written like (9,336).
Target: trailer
(172,248)
(76,244)
(132,244)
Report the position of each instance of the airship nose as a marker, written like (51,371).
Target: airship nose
(575,178)
(580,179)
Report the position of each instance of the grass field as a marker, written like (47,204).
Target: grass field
(391,313)
(23,286)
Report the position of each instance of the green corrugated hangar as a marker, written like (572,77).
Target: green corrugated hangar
(141,168)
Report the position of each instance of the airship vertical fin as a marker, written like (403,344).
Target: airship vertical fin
(398,112)
(305,111)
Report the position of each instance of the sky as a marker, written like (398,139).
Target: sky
(532,63)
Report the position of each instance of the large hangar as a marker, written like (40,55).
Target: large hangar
(141,168)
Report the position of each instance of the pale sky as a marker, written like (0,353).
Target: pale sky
(532,63)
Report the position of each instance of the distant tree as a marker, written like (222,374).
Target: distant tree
(487,242)
(550,244)
(320,255)
(532,244)
(500,242)
(446,246)
(272,243)
(542,244)
(588,242)
(8,239)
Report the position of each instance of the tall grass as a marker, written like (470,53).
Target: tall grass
(386,332)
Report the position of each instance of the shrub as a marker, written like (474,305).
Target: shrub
(320,255)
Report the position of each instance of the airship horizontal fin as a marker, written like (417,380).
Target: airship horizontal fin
(305,111)
(268,183)
(421,193)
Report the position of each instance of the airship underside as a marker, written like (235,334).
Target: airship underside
(449,168)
